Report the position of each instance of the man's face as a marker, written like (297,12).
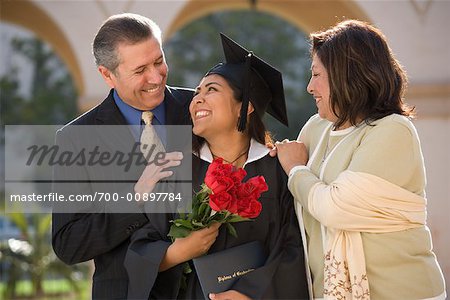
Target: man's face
(141,76)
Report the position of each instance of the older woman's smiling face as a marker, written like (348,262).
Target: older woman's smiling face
(319,88)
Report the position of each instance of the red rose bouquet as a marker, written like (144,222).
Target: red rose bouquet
(224,198)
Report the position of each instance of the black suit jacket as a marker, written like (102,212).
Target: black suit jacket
(104,237)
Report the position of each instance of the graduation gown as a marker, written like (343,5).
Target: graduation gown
(282,277)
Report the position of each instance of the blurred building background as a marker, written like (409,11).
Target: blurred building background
(417,31)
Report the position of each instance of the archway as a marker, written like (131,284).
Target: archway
(30,16)
(308,15)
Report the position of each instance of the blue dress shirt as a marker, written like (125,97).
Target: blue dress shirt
(133,117)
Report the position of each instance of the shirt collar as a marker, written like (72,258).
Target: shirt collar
(133,116)
(159,113)
(256,151)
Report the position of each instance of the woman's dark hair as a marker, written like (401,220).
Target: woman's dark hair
(366,81)
(255,127)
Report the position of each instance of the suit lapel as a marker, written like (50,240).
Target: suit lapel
(116,137)
(108,112)
(175,112)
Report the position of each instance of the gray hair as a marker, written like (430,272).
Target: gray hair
(122,28)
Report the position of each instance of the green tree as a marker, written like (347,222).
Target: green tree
(50,100)
(196,48)
(10,98)
(33,256)
(52,97)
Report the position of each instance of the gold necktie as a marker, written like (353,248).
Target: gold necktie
(150,142)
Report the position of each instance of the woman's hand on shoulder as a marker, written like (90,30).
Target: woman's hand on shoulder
(229,295)
(291,154)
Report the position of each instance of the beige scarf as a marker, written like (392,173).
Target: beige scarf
(358,202)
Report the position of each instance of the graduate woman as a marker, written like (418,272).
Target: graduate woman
(226,112)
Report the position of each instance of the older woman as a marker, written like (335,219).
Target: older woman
(358,176)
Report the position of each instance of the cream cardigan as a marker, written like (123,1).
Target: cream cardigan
(357,202)
(399,262)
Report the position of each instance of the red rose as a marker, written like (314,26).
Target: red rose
(226,194)
(216,170)
(238,175)
(234,204)
(251,209)
(258,183)
(220,184)
(222,201)
(252,188)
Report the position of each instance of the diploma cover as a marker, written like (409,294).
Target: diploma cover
(218,271)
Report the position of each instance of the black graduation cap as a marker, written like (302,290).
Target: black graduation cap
(260,83)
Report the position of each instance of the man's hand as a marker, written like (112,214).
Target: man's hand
(155,172)
(228,295)
(291,154)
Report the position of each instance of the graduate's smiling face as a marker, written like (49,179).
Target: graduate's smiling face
(214,110)
(141,76)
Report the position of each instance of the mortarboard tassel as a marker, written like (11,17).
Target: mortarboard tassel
(245,93)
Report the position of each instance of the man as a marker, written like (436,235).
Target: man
(129,57)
